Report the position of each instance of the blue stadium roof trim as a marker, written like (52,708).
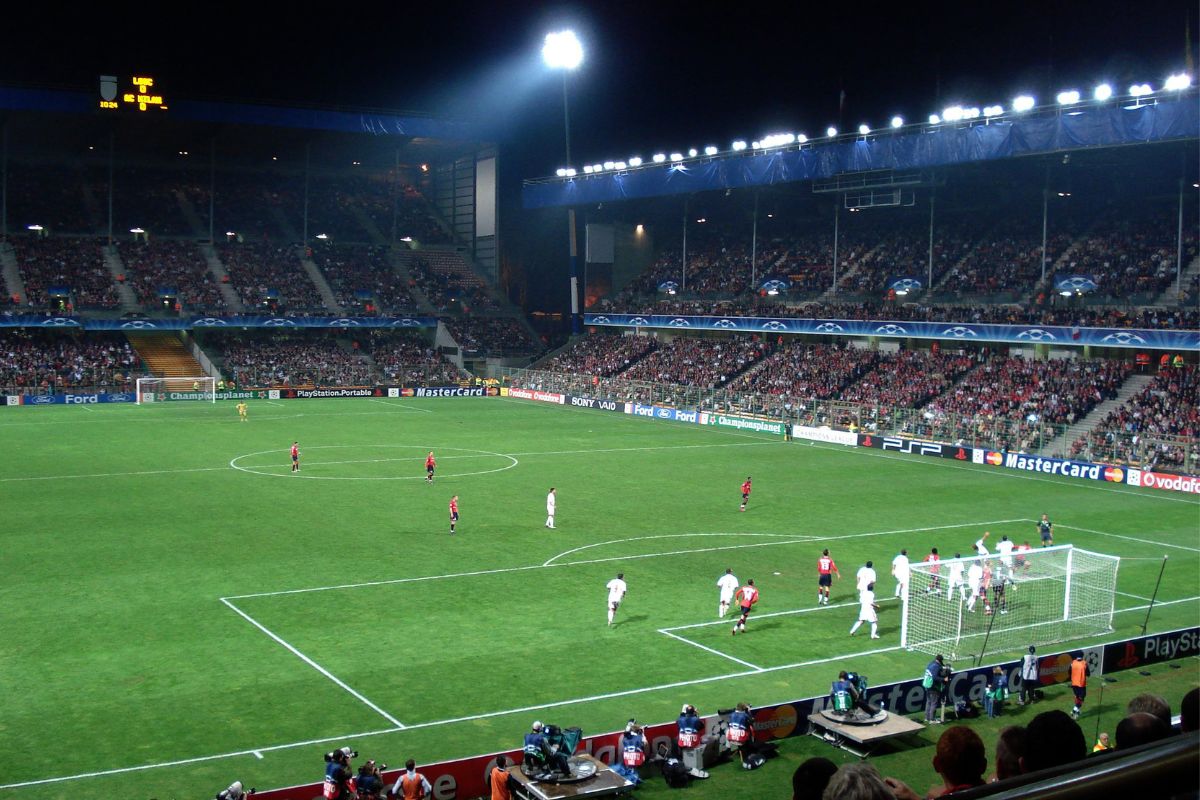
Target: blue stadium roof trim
(376,123)
(1133,338)
(231,323)
(1167,119)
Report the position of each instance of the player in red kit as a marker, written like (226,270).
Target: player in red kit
(295,456)
(745,493)
(826,569)
(453,513)
(746,596)
(430,466)
(935,579)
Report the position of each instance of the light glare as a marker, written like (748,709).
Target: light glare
(659,158)
(1068,98)
(1177,83)
(1023,103)
(562,50)
(831,131)
(897,122)
(711,150)
(738,146)
(1102,92)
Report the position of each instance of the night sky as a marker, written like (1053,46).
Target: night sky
(657,75)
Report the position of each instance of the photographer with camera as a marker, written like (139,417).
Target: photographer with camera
(936,682)
(540,753)
(369,783)
(338,776)
(690,741)
(633,747)
(234,792)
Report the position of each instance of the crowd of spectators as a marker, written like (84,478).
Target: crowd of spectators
(907,379)
(258,206)
(409,358)
(149,199)
(155,267)
(77,264)
(1007,260)
(46,361)
(293,360)
(599,355)
(707,363)
(351,269)
(1133,257)
(449,283)
(906,252)
(50,195)
(264,273)
(492,335)
(798,372)
(1146,429)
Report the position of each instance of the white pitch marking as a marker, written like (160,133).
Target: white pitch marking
(400,405)
(1129,538)
(313,664)
(754,667)
(273,403)
(258,754)
(552,559)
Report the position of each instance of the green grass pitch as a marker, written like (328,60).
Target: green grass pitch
(174,598)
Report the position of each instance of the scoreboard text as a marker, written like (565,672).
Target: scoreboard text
(139,94)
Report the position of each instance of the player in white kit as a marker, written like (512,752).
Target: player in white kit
(728,584)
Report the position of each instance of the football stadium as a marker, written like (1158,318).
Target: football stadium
(342,461)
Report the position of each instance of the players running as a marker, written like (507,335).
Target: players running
(901,571)
(1045,529)
(728,584)
(747,596)
(745,493)
(453,513)
(430,466)
(241,409)
(866,611)
(616,593)
(296,457)
(826,569)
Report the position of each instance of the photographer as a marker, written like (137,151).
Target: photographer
(740,736)
(690,740)
(369,782)
(633,753)
(338,775)
(936,682)
(234,792)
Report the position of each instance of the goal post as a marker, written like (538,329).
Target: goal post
(161,390)
(1038,597)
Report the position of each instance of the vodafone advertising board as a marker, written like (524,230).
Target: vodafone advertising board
(541,397)
(1162,480)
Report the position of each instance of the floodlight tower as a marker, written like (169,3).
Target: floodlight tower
(563,51)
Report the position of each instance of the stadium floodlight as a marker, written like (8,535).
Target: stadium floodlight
(677,156)
(608,165)
(34,228)
(971,113)
(897,122)
(693,152)
(562,50)
(597,168)
(659,158)
(137,231)
(756,145)
(1043,596)
(1140,90)
(561,172)
(1102,92)
(1023,103)
(571,172)
(636,161)
(738,146)
(864,129)
(710,150)
(620,165)
(934,119)
(993,111)
(587,169)
(1177,83)
(831,131)
(1068,98)
(321,236)
(801,138)
(952,113)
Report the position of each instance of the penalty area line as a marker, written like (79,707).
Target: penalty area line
(667,632)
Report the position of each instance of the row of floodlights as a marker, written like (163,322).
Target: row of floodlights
(957,113)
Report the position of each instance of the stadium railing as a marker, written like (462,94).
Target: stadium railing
(991,434)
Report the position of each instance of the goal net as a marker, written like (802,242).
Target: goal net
(161,390)
(1009,602)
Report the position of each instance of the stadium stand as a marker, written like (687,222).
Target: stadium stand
(366,269)
(151,199)
(268,275)
(496,336)
(258,206)
(799,371)
(159,267)
(600,355)
(76,264)
(408,358)
(37,361)
(294,359)
(448,282)
(697,362)
(50,195)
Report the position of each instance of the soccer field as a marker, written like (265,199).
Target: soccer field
(181,610)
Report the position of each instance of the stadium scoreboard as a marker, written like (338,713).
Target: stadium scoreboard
(139,93)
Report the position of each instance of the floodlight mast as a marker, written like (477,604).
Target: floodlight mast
(563,51)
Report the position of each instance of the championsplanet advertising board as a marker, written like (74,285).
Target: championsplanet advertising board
(742,423)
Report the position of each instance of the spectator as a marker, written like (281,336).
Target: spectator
(857,782)
(1102,744)
(1029,676)
(960,760)
(1189,711)
(811,777)
(411,785)
(1140,727)
(1151,704)
(1010,749)
(1052,739)
(996,692)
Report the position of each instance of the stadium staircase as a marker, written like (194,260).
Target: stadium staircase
(400,258)
(314,273)
(1061,263)
(1169,296)
(1062,445)
(832,292)
(116,267)
(190,215)
(367,224)
(13,285)
(285,225)
(165,356)
(232,301)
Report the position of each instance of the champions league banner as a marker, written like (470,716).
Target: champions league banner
(1135,338)
(188,323)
